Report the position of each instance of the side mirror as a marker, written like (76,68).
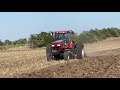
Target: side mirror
(71,32)
(51,33)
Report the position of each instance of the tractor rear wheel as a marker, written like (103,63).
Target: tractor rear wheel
(80,51)
(73,54)
(48,52)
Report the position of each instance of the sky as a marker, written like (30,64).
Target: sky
(16,25)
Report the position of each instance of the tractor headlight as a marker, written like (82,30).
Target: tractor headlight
(53,45)
(58,45)
(65,43)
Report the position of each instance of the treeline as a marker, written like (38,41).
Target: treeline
(95,35)
(35,40)
(16,42)
(43,38)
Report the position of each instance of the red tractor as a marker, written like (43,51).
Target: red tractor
(64,47)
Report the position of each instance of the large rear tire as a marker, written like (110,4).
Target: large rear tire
(80,52)
(73,54)
(48,52)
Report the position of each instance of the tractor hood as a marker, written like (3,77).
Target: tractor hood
(57,42)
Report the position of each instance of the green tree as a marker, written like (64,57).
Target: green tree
(40,40)
(7,42)
(75,37)
(1,43)
(114,32)
(20,41)
(118,31)
(33,40)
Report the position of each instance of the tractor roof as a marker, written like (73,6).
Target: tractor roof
(62,31)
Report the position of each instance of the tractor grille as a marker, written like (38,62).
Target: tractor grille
(55,48)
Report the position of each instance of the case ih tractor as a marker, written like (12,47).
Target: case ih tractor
(64,47)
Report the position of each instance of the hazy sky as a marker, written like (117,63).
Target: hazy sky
(15,25)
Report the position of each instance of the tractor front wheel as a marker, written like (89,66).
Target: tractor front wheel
(66,55)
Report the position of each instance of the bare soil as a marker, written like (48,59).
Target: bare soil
(102,61)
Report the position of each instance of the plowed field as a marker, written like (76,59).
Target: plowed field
(102,61)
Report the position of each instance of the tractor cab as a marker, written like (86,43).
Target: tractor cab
(62,37)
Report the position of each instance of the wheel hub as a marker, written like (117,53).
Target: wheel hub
(83,53)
